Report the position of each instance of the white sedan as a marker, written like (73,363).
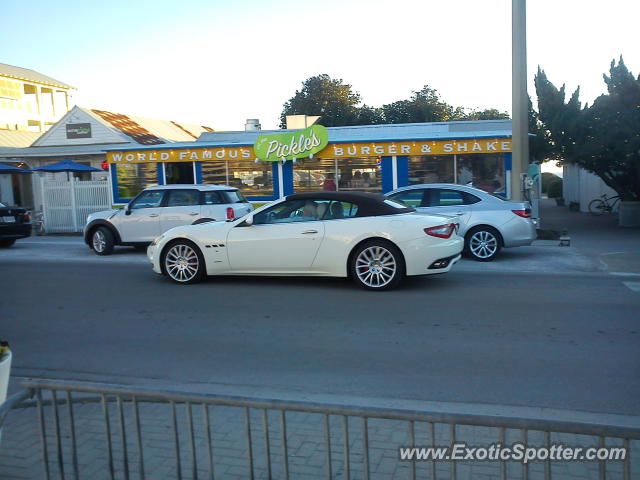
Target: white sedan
(368,237)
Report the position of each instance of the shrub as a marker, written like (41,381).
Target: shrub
(554,190)
(547,179)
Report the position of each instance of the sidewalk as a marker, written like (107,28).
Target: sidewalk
(616,248)
(21,450)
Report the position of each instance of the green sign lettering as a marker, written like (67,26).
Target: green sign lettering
(287,146)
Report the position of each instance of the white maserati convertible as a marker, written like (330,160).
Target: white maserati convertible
(368,237)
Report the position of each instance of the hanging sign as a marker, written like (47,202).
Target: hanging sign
(291,145)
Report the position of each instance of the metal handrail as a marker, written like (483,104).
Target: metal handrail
(13,401)
(116,427)
(542,424)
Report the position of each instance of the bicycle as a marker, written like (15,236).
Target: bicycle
(38,223)
(603,204)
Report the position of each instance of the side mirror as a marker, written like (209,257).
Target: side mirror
(249,220)
(127,210)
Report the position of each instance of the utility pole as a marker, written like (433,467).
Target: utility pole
(519,97)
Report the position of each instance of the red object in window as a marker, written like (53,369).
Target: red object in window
(230,213)
(104,165)
(526,213)
(441,231)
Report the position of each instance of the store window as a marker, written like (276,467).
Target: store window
(362,174)
(135,177)
(314,175)
(178,172)
(431,169)
(251,178)
(483,171)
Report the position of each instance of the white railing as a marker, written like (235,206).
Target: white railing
(66,204)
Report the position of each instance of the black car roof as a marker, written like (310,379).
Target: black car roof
(369,204)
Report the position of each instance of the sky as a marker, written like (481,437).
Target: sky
(217,63)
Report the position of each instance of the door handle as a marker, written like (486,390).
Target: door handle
(307,232)
(459,213)
(153,214)
(194,213)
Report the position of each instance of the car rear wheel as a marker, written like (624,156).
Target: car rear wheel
(483,244)
(377,265)
(183,262)
(6,243)
(102,241)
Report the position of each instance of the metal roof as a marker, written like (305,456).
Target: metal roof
(360,133)
(31,76)
(65,150)
(17,139)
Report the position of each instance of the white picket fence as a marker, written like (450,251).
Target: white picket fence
(66,204)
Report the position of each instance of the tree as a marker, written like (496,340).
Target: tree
(540,148)
(333,100)
(486,114)
(424,106)
(611,147)
(370,116)
(604,138)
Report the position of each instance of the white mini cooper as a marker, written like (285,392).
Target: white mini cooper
(158,209)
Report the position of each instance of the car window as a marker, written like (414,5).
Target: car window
(294,211)
(213,198)
(183,198)
(235,196)
(341,210)
(440,197)
(149,199)
(411,198)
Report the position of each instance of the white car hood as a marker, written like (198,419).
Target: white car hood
(102,215)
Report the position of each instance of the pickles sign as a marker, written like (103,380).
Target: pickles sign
(291,145)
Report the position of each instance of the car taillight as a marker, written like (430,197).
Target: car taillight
(441,231)
(26,218)
(230,213)
(526,213)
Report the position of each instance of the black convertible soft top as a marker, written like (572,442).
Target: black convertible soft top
(369,204)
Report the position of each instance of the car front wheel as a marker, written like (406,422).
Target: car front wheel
(183,262)
(102,241)
(483,244)
(377,265)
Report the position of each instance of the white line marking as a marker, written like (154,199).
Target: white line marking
(625,274)
(633,286)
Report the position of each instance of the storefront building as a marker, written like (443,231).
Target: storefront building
(373,158)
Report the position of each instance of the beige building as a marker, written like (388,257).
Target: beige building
(31,101)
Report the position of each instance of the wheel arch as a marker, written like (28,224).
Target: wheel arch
(93,226)
(203,220)
(485,226)
(172,242)
(368,239)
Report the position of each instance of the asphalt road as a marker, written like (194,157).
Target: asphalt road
(567,341)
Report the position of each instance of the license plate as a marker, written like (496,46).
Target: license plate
(9,219)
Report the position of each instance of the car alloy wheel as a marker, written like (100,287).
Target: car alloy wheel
(99,241)
(102,241)
(483,245)
(183,263)
(377,266)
